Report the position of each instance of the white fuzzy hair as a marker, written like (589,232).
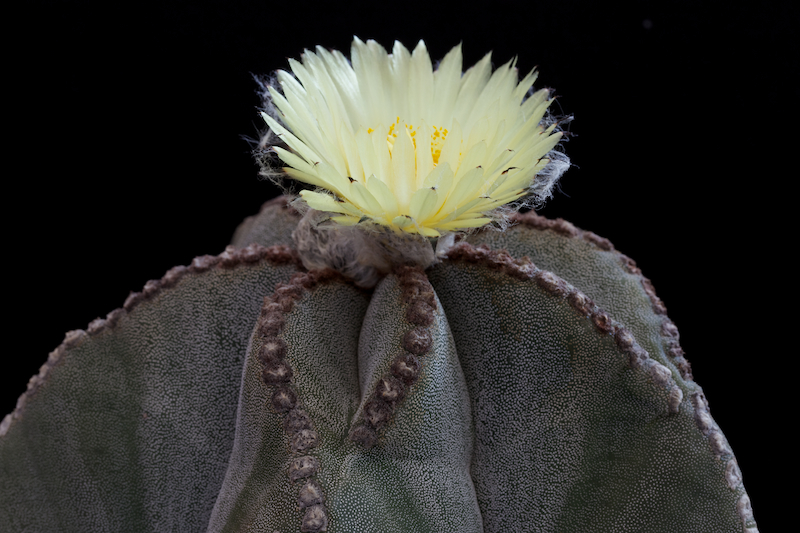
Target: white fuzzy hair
(364,253)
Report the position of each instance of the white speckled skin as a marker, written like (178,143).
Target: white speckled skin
(133,427)
(568,436)
(525,417)
(599,273)
(416,479)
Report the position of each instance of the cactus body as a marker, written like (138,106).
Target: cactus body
(530,381)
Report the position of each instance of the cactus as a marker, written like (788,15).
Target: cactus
(336,375)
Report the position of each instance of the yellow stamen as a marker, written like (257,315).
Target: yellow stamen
(437,139)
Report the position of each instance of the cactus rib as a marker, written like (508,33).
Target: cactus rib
(530,380)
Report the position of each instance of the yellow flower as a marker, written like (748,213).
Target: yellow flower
(386,138)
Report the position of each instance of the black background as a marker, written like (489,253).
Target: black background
(127,136)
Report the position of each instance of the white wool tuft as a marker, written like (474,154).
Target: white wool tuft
(364,253)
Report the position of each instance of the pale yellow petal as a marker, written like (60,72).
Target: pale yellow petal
(523,87)
(400,67)
(447,81)
(352,157)
(323,202)
(304,177)
(402,221)
(346,220)
(336,182)
(403,166)
(442,180)
(533,102)
(423,204)
(436,176)
(451,150)
(474,158)
(383,159)
(371,65)
(424,156)
(384,196)
(499,86)
(366,154)
(472,83)
(460,211)
(508,173)
(293,142)
(478,132)
(364,200)
(428,232)
(420,86)
(295,161)
(464,223)
(463,189)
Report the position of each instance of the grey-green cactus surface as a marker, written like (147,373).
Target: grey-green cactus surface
(529,381)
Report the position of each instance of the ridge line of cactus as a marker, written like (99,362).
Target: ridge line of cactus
(668,329)
(563,227)
(230,258)
(283,202)
(524,270)
(277,373)
(391,389)
(722,451)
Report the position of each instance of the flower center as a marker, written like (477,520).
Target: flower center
(438,136)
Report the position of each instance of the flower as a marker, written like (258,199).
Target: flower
(387,138)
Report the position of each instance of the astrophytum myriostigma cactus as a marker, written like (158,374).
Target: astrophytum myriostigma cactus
(394,352)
